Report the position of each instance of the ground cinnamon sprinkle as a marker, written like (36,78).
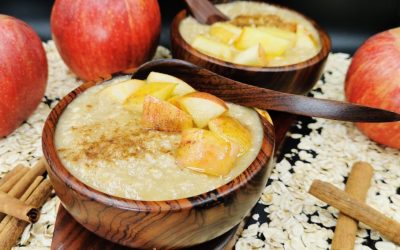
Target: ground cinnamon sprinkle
(269,20)
(119,143)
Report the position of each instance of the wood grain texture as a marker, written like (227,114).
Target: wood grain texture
(297,78)
(69,234)
(157,224)
(205,12)
(266,99)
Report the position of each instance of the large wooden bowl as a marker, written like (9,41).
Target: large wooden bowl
(297,78)
(157,224)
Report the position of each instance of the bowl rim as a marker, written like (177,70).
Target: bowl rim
(326,45)
(210,198)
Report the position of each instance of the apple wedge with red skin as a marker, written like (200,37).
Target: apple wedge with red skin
(23,73)
(204,151)
(373,79)
(233,131)
(163,116)
(202,107)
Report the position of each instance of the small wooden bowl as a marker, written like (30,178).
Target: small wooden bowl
(157,224)
(297,78)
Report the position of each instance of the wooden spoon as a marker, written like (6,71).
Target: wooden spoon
(205,12)
(251,96)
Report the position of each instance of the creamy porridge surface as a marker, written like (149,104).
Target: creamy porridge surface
(190,28)
(103,145)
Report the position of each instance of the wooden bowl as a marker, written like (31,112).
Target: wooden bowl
(157,224)
(296,78)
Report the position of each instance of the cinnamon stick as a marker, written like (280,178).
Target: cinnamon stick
(12,206)
(23,198)
(356,209)
(23,183)
(357,186)
(10,174)
(15,227)
(28,178)
(13,180)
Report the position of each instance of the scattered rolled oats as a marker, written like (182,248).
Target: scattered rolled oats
(327,152)
(291,218)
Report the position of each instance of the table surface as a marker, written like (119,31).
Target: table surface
(286,217)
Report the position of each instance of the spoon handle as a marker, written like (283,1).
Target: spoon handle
(205,12)
(248,95)
(252,96)
(308,106)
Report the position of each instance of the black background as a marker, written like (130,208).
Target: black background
(349,22)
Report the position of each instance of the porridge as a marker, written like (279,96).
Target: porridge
(259,34)
(109,140)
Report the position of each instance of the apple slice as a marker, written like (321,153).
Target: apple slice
(163,116)
(232,130)
(202,107)
(225,32)
(121,91)
(160,90)
(273,45)
(212,48)
(182,88)
(203,151)
(304,39)
(175,101)
(253,56)
(285,34)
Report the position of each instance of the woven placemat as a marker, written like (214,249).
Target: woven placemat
(286,217)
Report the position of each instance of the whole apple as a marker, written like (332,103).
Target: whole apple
(373,79)
(98,38)
(23,73)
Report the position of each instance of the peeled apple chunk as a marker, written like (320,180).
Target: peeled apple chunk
(160,90)
(163,116)
(288,35)
(203,151)
(175,101)
(225,32)
(304,39)
(182,88)
(273,45)
(121,91)
(232,130)
(202,107)
(212,48)
(253,56)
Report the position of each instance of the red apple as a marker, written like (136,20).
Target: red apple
(97,38)
(23,73)
(373,79)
